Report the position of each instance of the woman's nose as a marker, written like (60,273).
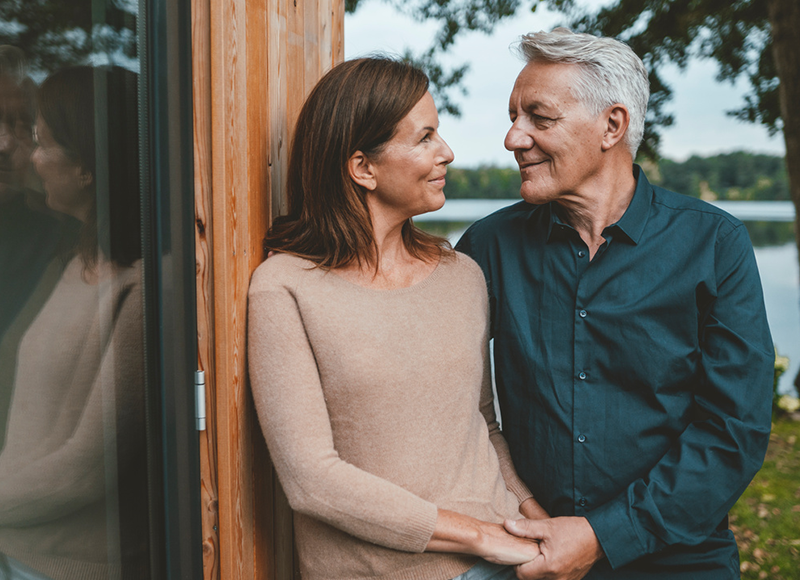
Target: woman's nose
(447,153)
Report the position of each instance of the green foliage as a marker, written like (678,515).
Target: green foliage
(735,34)
(770,233)
(454,17)
(59,34)
(766,519)
(485,182)
(738,176)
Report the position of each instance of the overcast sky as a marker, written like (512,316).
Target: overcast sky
(699,101)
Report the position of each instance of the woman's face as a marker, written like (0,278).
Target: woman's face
(410,171)
(65,181)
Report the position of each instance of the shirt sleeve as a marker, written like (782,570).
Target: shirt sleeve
(293,414)
(686,495)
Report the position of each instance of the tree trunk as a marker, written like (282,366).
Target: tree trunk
(784,17)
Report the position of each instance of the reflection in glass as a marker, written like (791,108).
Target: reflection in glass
(73,483)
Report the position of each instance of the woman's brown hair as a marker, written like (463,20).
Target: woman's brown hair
(66,102)
(356,106)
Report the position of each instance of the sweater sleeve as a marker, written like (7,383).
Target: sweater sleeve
(513,482)
(291,407)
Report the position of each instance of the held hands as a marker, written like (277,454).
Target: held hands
(500,547)
(569,547)
(462,534)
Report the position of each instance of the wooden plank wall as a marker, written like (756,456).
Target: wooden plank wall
(254,61)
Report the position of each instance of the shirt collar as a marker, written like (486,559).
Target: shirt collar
(630,225)
(632,222)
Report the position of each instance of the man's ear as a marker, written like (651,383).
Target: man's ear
(361,171)
(617,120)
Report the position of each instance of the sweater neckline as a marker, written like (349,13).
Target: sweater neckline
(427,281)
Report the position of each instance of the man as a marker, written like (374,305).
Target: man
(633,359)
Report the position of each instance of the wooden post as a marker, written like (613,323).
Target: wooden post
(254,61)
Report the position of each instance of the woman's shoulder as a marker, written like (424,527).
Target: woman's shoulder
(280,270)
(464,265)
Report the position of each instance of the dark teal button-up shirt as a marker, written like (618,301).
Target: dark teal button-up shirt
(635,388)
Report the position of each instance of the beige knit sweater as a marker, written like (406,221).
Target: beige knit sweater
(377,409)
(74,428)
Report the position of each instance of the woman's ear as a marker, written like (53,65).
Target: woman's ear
(86,178)
(361,171)
(617,120)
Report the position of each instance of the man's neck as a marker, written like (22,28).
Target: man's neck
(602,203)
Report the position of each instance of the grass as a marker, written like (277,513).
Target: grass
(766,519)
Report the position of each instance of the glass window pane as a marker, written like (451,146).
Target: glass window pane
(73,422)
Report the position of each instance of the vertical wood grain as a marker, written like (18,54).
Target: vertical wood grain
(254,61)
(201,100)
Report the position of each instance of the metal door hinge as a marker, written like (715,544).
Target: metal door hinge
(200,399)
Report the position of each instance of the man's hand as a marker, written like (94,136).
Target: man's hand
(569,547)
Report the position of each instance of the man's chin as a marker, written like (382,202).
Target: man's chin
(534,194)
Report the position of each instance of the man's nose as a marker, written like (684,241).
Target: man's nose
(517,138)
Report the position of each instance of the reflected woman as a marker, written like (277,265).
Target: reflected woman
(368,349)
(70,468)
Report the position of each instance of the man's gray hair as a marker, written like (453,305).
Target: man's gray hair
(610,73)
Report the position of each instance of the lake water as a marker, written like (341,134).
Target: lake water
(780,279)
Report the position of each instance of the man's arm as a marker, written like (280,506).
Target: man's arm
(688,492)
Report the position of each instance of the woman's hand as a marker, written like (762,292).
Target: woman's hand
(462,534)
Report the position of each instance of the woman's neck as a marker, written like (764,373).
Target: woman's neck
(394,266)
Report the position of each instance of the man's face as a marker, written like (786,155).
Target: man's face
(555,139)
(16,139)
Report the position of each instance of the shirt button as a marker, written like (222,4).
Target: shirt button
(582,502)
(581,253)
(582,314)
(581,438)
(582,376)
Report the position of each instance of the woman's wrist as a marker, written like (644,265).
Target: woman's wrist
(532,510)
(461,534)
(456,533)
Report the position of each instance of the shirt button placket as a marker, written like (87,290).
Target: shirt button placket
(581,397)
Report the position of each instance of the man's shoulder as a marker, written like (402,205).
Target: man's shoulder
(702,213)
(506,221)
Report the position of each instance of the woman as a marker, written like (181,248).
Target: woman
(72,470)
(368,348)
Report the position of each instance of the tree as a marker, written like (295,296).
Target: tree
(55,35)
(756,39)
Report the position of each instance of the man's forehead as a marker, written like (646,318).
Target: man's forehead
(545,83)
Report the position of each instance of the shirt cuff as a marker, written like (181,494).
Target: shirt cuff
(616,531)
